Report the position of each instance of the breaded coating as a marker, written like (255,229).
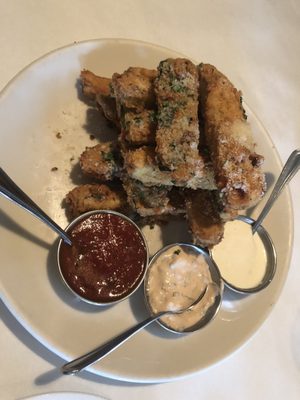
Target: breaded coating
(93,84)
(206,226)
(153,196)
(161,165)
(101,162)
(95,197)
(134,88)
(177,80)
(141,164)
(151,201)
(99,88)
(139,128)
(177,136)
(238,172)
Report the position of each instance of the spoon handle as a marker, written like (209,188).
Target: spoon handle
(289,170)
(100,352)
(10,190)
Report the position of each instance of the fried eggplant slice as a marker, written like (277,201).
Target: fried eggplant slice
(134,88)
(93,84)
(238,172)
(152,201)
(205,223)
(153,196)
(101,162)
(98,88)
(177,135)
(141,164)
(95,197)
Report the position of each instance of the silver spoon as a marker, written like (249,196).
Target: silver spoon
(10,190)
(216,281)
(289,170)
(100,352)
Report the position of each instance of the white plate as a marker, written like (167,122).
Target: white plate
(41,101)
(64,396)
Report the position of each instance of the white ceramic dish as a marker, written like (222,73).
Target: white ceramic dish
(40,102)
(64,396)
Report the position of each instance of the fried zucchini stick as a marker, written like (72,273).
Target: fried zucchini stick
(141,164)
(93,84)
(101,162)
(205,223)
(238,172)
(99,88)
(90,197)
(134,89)
(154,200)
(177,136)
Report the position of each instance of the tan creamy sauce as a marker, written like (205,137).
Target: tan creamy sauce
(241,256)
(175,280)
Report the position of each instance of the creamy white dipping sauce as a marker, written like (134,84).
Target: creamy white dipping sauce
(241,256)
(176,278)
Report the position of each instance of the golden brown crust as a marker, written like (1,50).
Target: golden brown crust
(157,112)
(93,84)
(141,164)
(177,135)
(177,79)
(134,88)
(95,197)
(99,88)
(239,177)
(203,218)
(100,162)
(139,127)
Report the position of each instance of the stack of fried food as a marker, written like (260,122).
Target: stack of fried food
(184,148)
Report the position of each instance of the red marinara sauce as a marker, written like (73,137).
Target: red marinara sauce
(107,259)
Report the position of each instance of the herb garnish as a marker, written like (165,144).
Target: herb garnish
(107,156)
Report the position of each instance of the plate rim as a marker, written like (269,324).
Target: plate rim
(56,395)
(80,43)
